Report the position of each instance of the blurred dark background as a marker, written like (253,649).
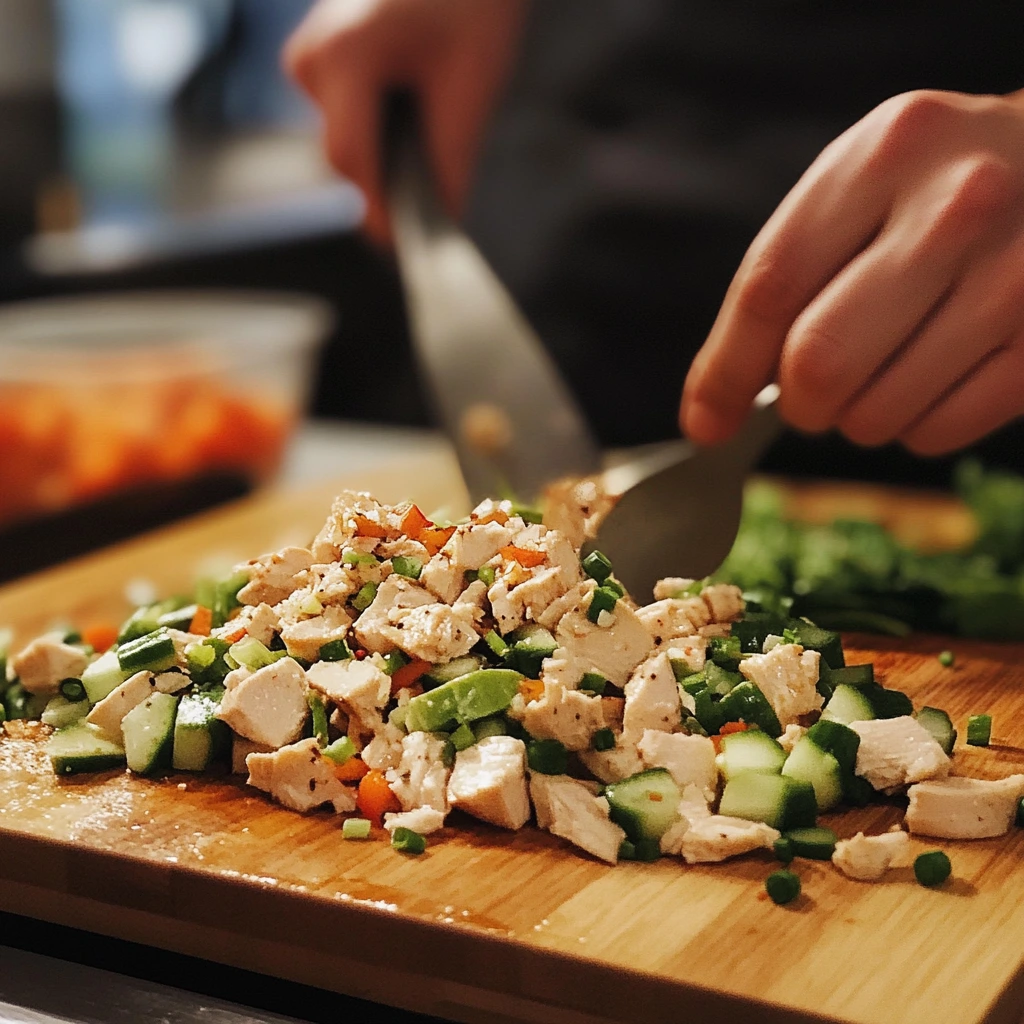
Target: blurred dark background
(151,143)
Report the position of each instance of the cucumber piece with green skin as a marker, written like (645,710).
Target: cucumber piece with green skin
(529,646)
(837,739)
(848,704)
(940,725)
(709,712)
(200,737)
(683,673)
(645,805)
(493,725)
(452,670)
(827,642)
(815,843)
(754,627)
(777,800)
(148,731)
(719,680)
(81,748)
(463,700)
(746,703)
(61,712)
(750,751)
(807,762)
(103,676)
(888,703)
(179,618)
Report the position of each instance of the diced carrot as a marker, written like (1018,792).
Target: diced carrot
(235,635)
(202,622)
(531,689)
(375,797)
(498,515)
(526,557)
(351,770)
(366,527)
(731,727)
(434,538)
(413,522)
(99,637)
(716,742)
(408,674)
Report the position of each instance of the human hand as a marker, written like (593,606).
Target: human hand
(454,55)
(886,292)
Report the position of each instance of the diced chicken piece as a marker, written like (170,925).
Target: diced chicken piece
(652,698)
(268,705)
(961,808)
(612,765)
(575,507)
(895,752)
(375,628)
(171,681)
(339,530)
(404,548)
(241,748)
(572,600)
(303,639)
(569,716)
(673,617)
(788,677)
(421,778)
(724,602)
(469,547)
(261,622)
(435,632)
(46,661)
(423,820)
(715,629)
(361,688)
(474,599)
(718,837)
(693,807)
(273,577)
(791,735)
(689,649)
(236,676)
(568,809)
(300,777)
(672,586)
(335,584)
(385,749)
(511,606)
(867,858)
(108,714)
(489,781)
(690,760)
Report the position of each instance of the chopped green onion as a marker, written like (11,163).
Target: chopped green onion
(335,650)
(979,730)
(486,574)
(496,644)
(782,887)
(394,661)
(548,757)
(406,841)
(615,586)
(462,737)
(470,576)
(946,659)
(815,843)
(594,682)
(254,655)
(72,690)
(528,513)
(319,709)
(602,600)
(355,828)
(408,567)
(352,557)
(932,868)
(645,850)
(603,739)
(597,566)
(363,600)
(1019,819)
(340,750)
(783,849)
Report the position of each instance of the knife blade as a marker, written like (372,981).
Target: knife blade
(495,390)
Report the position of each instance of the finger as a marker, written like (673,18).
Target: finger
(826,220)
(976,318)
(989,397)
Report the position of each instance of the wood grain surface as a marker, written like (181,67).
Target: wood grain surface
(496,926)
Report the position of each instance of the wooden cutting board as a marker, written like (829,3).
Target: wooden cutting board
(490,926)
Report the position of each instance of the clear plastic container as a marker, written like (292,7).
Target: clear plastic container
(105,394)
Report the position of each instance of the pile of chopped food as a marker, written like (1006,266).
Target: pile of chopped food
(399,668)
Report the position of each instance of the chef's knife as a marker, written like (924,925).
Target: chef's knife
(496,391)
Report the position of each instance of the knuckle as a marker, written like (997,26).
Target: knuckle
(982,187)
(769,290)
(905,123)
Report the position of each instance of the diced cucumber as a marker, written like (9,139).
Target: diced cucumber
(979,730)
(103,676)
(148,731)
(837,739)
(777,800)
(815,843)
(179,618)
(463,700)
(746,703)
(494,725)
(940,725)
(645,805)
(813,638)
(853,675)
(81,748)
(807,762)
(750,751)
(61,712)
(199,736)
(530,645)
(848,704)
(725,651)
(719,680)
(452,670)
(682,671)
(754,627)
(708,711)
(888,703)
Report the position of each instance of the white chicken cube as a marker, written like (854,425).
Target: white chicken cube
(300,777)
(674,617)
(360,688)
(304,638)
(724,602)
(421,778)
(108,714)
(867,858)
(652,698)
(273,577)
(614,765)
(690,760)
(895,752)
(423,820)
(268,705)
(788,677)
(375,629)
(435,632)
(489,781)
(566,808)
(718,837)
(569,716)
(46,661)
(691,650)
(962,808)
